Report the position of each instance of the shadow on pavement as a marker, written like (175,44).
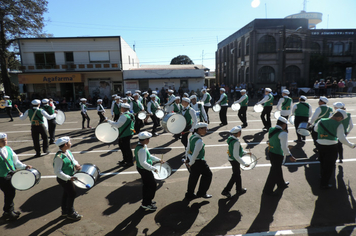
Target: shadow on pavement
(254,140)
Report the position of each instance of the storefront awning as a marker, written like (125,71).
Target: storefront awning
(164,78)
(50,78)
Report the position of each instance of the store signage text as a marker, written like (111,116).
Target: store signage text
(333,33)
(57,79)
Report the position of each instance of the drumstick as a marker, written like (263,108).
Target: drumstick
(86,185)
(255,160)
(160,168)
(17,109)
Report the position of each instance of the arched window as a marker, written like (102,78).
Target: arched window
(315,48)
(338,49)
(239,49)
(294,43)
(247,75)
(292,74)
(266,75)
(248,46)
(267,44)
(329,48)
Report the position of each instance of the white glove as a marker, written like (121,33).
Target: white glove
(191,130)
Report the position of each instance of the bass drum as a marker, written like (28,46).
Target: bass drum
(173,123)
(60,118)
(106,133)
(235,106)
(25,179)
(88,175)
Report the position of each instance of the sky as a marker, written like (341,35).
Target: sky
(162,29)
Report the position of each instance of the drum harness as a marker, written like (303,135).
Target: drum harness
(327,131)
(273,133)
(12,171)
(128,124)
(35,114)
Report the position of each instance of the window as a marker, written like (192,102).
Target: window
(329,48)
(338,49)
(99,57)
(267,44)
(247,75)
(294,43)
(348,48)
(184,84)
(266,75)
(45,60)
(248,46)
(292,73)
(239,49)
(69,57)
(315,48)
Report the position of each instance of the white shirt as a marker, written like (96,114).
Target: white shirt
(283,137)
(112,107)
(340,135)
(18,164)
(204,98)
(316,114)
(196,108)
(58,164)
(155,103)
(279,107)
(142,157)
(100,108)
(83,108)
(351,126)
(139,105)
(171,107)
(221,98)
(243,97)
(264,99)
(236,153)
(43,112)
(198,146)
(121,121)
(295,108)
(7,104)
(171,100)
(192,114)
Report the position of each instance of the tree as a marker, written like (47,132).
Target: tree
(181,60)
(18,18)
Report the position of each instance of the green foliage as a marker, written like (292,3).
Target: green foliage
(181,60)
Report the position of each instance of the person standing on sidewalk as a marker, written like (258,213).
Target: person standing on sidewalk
(8,106)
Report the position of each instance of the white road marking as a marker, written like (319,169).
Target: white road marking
(28,124)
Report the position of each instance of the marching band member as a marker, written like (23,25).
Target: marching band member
(176,107)
(224,103)
(113,100)
(158,100)
(8,105)
(206,100)
(51,103)
(285,104)
(136,106)
(9,162)
(52,122)
(199,110)
(101,111)
(278,148)
(267,108)
(190,119)
(242,112)
(144,161)
(116,109)
(37,117)
(348,126)
(129,98)
(329,131)
(170,98)
(235,152)
(185,95)
(323,111)
(139,95)
(125,124)
(152,107)
(64,166)
(84,113)
(195,159)
(145,101)
(301,111)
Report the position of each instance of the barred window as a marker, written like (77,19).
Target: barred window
(294,43)
(315,48)
(266,74)
(267,44)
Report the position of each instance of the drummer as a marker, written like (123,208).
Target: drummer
(100,109)
(224,103)
(64,166)
(170,99)
(195,159)
(84,113)
(145,101)
(136,106)
(243,101)
(206,100)
(285,104)
(235,152)
(37,117)
(116,109)
(302,111)
(52,122)
(176,107)
(323,111)
(199,110)
(51,103)
(158,100)
(277,150)
(267,108)
(139,95)
(129,98)
(113,99)
(125,124)
(152,107)
(190,121)
(348,126)
(8,106)
(144,161)
(12,163)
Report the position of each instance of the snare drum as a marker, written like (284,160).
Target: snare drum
(277,114)
(141,115)
(249,159)
(258,108)
(216,107)
(235,106)
(88,175)
(174,123)
(302,129)
(60,118)
(106,133)
(164,171)
(291,119)
(25,179)
(159,114)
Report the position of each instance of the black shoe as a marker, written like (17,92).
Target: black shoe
(226,194)
(340,161)
(45,153)
(153,202)
(154,134)
(11,216)
(149,207)
(265,129)
(64,214)
(74,216)
(190,196)
(11,120)
(285,185)
(241,191)
(121,163)
(298,141)
(315,150)
(221,124)
(50,143)
(127,165)
(205,196)
(38,155)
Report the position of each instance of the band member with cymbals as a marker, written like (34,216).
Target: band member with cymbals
(125,124)
(235,152)
(101,111)
(301,111)
(198,108)
(348,126)
(8,106)
(190,121)
(206,100)
(267,108)
(52,122)
(84,113)
(9,162)
(330,131)
(224,103)
(144,161)
(243,101)
(116,109)
(37,117)
(323,111)
(195,159)
(136,106)
(277,150)
(65,166)
(152,107)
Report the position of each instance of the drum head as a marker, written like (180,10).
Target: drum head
(176,123)
(159,114)
(235,106)
(251,159)
(45,122)
(85,178)
(23,180)
(277,114)
(141,115)
(216,108)
(258,108)
(163,172)
(61,117)
(106,133)
(291,119)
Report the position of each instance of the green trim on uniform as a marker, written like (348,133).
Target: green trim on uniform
(4,169)
(192,140)
(286,104)
(346,122)
(208,98)
(244,102)
(325,113)
(274,145)
(188,117)
(48,109)
(153,108)
(302,109)
(9,102)
(175,108)
(130,130)
(117,109)
(269,102)
(230,151)
(149,160)
(38,117)
(136,106)
(331,125)
(158,100)
(68,165)
(224,101)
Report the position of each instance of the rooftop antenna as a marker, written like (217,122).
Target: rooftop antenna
(305,5)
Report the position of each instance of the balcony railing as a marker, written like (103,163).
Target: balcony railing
(71,67)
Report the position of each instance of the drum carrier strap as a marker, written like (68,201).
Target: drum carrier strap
(304,105)
(6,162)
(128,124)
(285,102)
(274,132)
(326,129)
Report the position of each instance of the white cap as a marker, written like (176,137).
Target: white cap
(203,89)
(125,105)
(268,89)
(286,91)
(154,92)
(303,97)
(45,100)
(144,93)
(222,89)
(127,92)
(152,95)
(62,140)
(135,94)
(144,135)
(124,98)
(193,97)
(6,96)
(99,100)
(284,120)
(3,135)
(324,99)
(170,91)
(236,129)
(83,99)
(200,125)
(114,95)
(137,91)
(186,99)
(117,97)
(186,94)
(243,91)
(339,105)
(343,112)
(36,102)
(177,98)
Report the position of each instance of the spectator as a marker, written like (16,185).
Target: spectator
(105,101)
(328,85)
(341,86)
(334,88)
(350,86)
(322,88)
(316,88)
(354,85)
(180,92)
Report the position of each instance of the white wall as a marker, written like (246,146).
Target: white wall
(127,52)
